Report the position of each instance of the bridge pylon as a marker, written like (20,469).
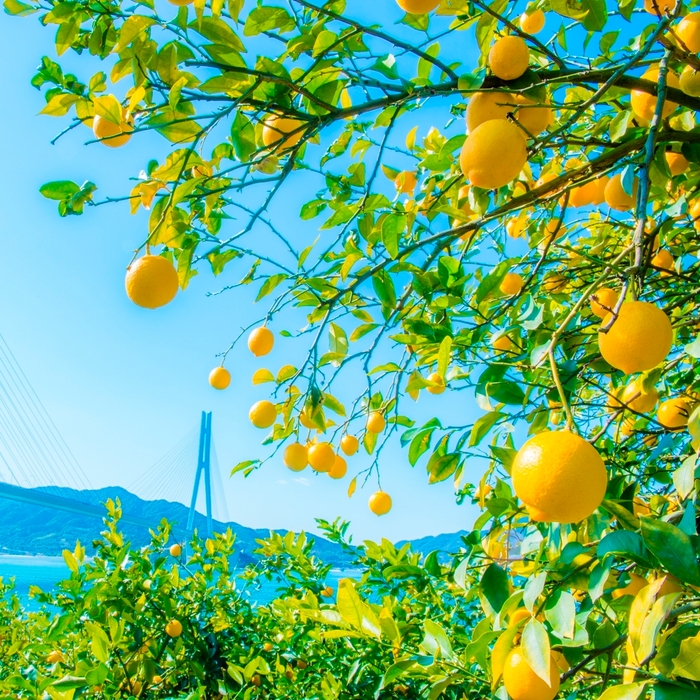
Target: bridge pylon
(203,467)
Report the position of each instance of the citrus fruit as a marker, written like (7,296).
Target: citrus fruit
(380,503)
(173,628)
(306,421)
(515,227)
(327,591)
(181,3)
(493,154)
(603,301)
(559,476)
(639,401)
(509,57)
(615,195)
(375,422)
(201,170)
(175,550)
(296,457)
(660,7)
(55,657)
(584,195)
(151,282)
(157,680)
(688,31)
(522,683)
(282,132)
(406,182)
(503,344)
(321,457)
(518,616)
(663,260)
(532,23)
(485,106)
(601,184)
(437,379)
(263,414)
(639,339)
(219,378)
(673,413)
(109,133)
(511,284)
(261,341)
(690,81)
(644,105)
(636,583)
(677,163)
(349,444)
(554,283)
(417,7)
(670,585)
(640,507)
(339,468)
(268,646)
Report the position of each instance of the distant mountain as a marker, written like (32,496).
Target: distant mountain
(30,529)
(447,543)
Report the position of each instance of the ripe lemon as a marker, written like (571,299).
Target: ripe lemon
(603,301)
(55,657)
(643,104)
(380,503)
(485,106)
(644,402)
(511,284)
(673,414)
(151,282)
(268,646)
(321,457)
(175,550)
(375,422)
(327,592)
(156,680)
(559,476)
(670,585)
(503,344)
(509,57)
(437,379)
(516,227)
(688,31)
(406,182)
(493,154)
(173,628)
(532,23)
(111,134)
(282,132)
(555,284)
(417,7)
(296,457)
(349,444)
(616,197)
(660,7)
(522,683)
(519,615)
(639,339)
(663,260)
(677,162)
(601,184)
(260,341)
(690,81)
(635,585)
(219,378)
(339,468)
(584,195)
(181,3)
(263,414)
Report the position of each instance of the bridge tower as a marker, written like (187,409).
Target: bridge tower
(203,467)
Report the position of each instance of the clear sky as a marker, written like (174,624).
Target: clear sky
(124,384)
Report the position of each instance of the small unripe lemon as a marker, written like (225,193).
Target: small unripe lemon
(296,457)
(509,57)
(219,378)
(375,422)
(349,444)
(261,341)
(263,414)
(380,503)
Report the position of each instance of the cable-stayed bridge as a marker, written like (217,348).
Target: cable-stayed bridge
(37,466)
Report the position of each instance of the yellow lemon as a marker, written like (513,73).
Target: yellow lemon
(151,282)
(509,57)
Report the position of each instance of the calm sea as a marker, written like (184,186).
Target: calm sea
(45,572)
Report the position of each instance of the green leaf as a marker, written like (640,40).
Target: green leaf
(535,645)
(243,137)
(443,467)
(673,548)
(59,189)
(218,32)
(132,27)
(17,8)
(482,427)
(420,444)
(491,281)
(355,611)
(270,284)
(561,614)
(687,663)
(392,227)
(495,586)
(444,356)
(626,543)
(629,691)
(338,340)
(265,19)
(506,392)
(436,643)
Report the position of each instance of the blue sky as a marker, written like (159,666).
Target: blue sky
(125,384)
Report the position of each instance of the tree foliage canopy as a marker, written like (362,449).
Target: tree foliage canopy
(424,283)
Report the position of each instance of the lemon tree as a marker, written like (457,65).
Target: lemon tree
(537,249)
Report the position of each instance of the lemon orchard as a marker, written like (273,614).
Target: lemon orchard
(529,248)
